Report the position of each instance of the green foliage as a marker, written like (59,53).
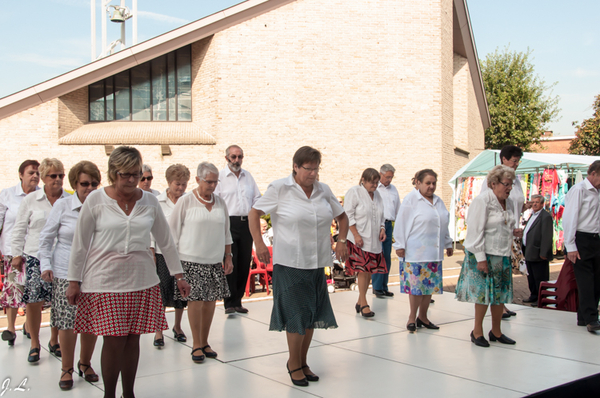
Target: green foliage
(519,101)
(588,134)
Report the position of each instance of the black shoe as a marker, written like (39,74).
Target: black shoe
(431,301)
(593,326)
(55,349)
(25,333)
(502,339)
(412,327)
(179,336)
(530,299)
(379,293)
(511,313)
(89,377)
(209,354)
(429,325)
(9,336)
(310,377)
(300,383)
(66,384)
(360,309)
(479,341)
(241,310)
(159,342)
(197,358)
(388,293)
(34,355)
(505,315)
(229,310)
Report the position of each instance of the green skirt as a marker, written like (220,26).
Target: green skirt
(493,288)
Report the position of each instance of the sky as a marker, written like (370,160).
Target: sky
(42,39)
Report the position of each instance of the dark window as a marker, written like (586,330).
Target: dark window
(158,90)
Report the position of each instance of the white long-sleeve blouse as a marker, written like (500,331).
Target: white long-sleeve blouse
(421,228)
(10,200)
(367,215)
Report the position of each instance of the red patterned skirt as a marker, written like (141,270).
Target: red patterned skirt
(362,261)
(120,314)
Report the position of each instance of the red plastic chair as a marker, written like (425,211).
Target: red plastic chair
(263,270)
(560,295)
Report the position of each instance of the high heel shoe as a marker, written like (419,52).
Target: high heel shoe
(208,354)
(55,349)
(301,382)
(411,327)
(179,336)
(159,342)
(25,333)
(9,336)
(429,325)
(197,358)
(34,355)
(91,378)
(66,384)
(312,377)
(360,309)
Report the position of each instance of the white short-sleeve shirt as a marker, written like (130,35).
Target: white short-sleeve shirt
(366,215)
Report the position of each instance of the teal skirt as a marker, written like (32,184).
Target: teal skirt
(493,288)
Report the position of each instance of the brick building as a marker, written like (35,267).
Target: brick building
(366,82)
(554,144)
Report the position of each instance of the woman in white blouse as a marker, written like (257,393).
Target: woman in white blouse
(301,210)
(11,298)
(55,249)
(421,234)
(112,275)
(486,275)
(200,228)
(31,218)
(364,206)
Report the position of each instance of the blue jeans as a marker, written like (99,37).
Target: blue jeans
(380,281)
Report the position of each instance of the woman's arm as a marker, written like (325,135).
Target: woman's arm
(341,250)
(82,240)
(262,251)
(18,235)
(48,236)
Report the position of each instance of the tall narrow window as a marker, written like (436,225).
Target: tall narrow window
(97,101)
(140,92)
(122,99)
(110,102)
(172,85)
(159,89)
(184,85)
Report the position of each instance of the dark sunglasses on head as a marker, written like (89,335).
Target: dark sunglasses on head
(146,178)
(86,184)
(54,176)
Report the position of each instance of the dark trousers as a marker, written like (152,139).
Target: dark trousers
(380,281)
(242,256)
(537,272)
(587,274)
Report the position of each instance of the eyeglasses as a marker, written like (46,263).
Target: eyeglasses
(127,176)
(211,182)
(55,176)
(146,178)
(315,170)
(86,184)
(507,184)
(234,157)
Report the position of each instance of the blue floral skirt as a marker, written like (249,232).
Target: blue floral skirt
(422,278)
(37,290)
(493,288)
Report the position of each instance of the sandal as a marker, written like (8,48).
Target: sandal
(34,358)
(179,336)
(197,358)
(91,377)
(55,349)
(209,354)
(66,384)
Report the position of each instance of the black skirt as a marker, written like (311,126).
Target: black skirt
(167,285)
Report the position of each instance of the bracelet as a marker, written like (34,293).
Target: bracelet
(342,240)
(229,254)
(181,279)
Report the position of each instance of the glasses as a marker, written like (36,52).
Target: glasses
(315,170)
(146,178)
(507,184)
(209,182)
(55,176)
(127,176)
(234,157)
(86,184)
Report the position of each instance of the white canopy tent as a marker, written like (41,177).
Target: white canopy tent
(530,163)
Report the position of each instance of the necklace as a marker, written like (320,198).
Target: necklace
(204,200)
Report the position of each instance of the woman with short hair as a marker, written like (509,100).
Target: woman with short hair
(14,280)
(112,275)
(56,239)
(145,183)
(200,228)
(486,274)
(364,206)
(25,243)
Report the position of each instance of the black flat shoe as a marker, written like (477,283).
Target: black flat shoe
(66,384)
(388,293)
(9,336)
(197,358)
(301,382)
(369,314)
(159,342)
(379,293)
(209,354)
(412,327)
(310,377)
(505,315)
(179,336)
(34,355)
(429,325)
(511,313)
(479,341)
(431,301)
(89,377)
(55,349)
(502,339)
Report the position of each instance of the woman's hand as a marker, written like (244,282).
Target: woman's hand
(48,276)
(17,263)
(73,292)
(358,241)
(518,232)
(483,266)
(184,287)
(401,253)
(382,236)
(449,252)
(262,252)
(341,252)
(228,265)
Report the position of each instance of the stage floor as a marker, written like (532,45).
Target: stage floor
(361,358)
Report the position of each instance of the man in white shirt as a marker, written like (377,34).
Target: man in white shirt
(239,191)
(537,247)
(581,225)
(391,206)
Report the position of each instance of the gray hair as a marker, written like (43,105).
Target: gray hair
(228,149)
(387,167)
(498,173)
(540,197)
(205,168)
(146,168)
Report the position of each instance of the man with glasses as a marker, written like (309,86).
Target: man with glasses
(239,191)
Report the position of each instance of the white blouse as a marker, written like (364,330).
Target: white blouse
(489,226)
(516,196)
(111,250)
(31,218)
(200,235)
(10,200)
(59,228)
(167,207)
(421,228)
(301,225)
(367,215)
(582,212)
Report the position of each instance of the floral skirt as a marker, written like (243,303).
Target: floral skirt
(14,281)
(62,314)
(36,290)
(167,284)
(362,261)
(422,278)
(493,288)
(207,282)
(120,314)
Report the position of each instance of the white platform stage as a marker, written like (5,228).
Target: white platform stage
(361,358)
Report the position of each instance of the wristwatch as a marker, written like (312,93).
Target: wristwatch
(341,240)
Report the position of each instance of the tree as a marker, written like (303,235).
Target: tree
(519,101)
(587,141)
